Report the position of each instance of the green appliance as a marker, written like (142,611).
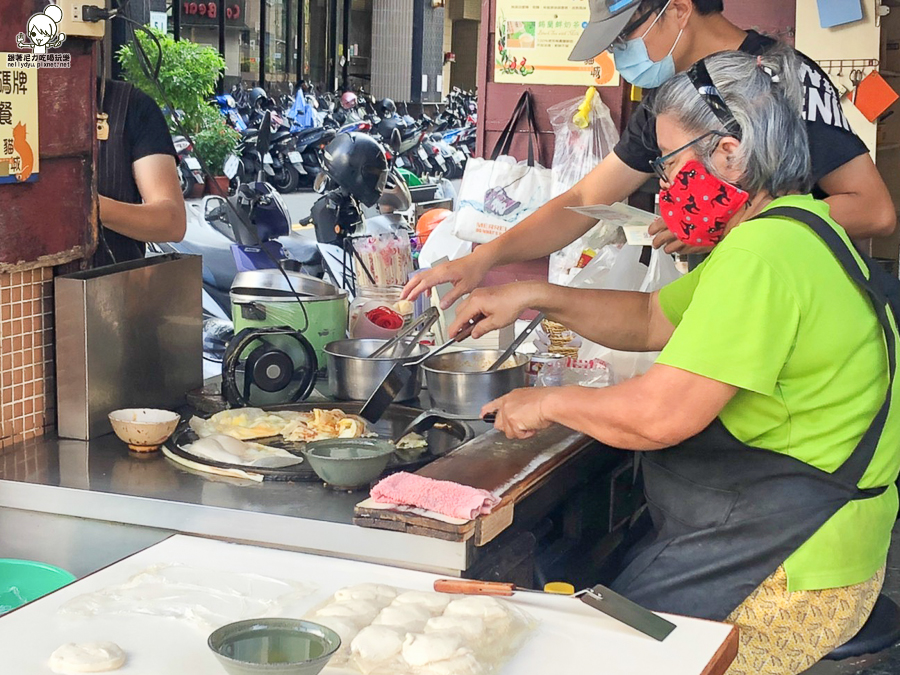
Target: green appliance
(315,308)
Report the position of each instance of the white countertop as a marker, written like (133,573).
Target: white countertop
(570,636)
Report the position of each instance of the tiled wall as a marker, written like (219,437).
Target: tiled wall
(27,390)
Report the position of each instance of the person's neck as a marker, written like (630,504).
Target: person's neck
(752,208)
(708,35)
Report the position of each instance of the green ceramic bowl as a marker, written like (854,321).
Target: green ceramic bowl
(283,646)
(349,463)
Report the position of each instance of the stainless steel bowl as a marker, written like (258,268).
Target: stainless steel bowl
(353,376)
(458,384)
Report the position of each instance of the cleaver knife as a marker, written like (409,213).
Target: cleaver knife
(599,597)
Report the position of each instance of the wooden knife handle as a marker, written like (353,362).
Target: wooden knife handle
(473,587)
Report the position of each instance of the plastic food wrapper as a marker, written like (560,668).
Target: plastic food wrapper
(386,256)
(392,631)
(203,598)
(578,372)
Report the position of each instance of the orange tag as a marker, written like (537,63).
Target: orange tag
(873,96)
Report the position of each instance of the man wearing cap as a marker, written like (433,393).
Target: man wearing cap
(651,40)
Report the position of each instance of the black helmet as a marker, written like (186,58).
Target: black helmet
(385,108)
(356,162)
(256,93)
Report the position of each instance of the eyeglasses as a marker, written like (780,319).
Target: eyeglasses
(622,38)
(659,164)
(700,78)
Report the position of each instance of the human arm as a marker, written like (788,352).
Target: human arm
(654,411)
(550,228)
(161,217)
(859,199)
(624,320)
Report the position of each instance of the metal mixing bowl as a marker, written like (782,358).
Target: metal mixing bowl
(352,376)
(457,381)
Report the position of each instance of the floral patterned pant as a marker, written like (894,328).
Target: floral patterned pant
(784,633)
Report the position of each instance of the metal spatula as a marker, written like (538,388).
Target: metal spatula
(599,597)
(427,419)
(399,375)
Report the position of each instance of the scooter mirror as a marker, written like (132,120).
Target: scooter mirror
(321,183)
(396,140)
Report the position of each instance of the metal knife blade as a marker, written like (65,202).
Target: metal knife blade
(630,613)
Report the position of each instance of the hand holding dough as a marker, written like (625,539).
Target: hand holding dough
(87,657)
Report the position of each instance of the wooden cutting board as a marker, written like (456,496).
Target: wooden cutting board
(509,469)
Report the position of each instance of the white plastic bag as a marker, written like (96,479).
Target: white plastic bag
(496,194)
(621,269)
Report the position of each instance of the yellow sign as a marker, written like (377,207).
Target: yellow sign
(19,160)
(534,39)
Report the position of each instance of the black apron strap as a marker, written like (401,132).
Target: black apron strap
(855,466)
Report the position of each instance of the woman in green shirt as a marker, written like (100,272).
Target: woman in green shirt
(769,472)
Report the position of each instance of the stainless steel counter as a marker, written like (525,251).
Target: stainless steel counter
(101,481)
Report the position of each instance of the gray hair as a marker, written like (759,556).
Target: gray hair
(765,97)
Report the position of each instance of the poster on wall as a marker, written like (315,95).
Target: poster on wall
(19,157)
(533,40)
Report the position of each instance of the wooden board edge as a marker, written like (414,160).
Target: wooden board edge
(406,528)
(488,527)
(388,515)
(725,654)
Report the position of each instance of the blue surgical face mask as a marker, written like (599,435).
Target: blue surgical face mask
(635,65)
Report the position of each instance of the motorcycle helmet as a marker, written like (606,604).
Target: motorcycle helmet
(430,220)
(396,195)
(356,162)
(256,94)
(386,108)
(348,100)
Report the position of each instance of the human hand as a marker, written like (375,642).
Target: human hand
(20,40)
(494,307)
(465,274)
(663,237)
(520,414)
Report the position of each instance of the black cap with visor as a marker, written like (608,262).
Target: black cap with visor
(610,19)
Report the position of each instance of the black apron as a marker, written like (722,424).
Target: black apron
(116,177)
(725,514)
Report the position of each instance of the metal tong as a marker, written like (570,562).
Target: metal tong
(422,322)
(520,338)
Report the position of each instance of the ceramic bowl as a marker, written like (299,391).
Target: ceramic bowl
(348,463)
(283,646)
(143,429)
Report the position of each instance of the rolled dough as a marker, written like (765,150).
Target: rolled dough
(87,657)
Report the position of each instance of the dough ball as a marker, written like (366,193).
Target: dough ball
(471,628)
(420,650)
(464,663)
(87,657)
(411,618)
(359,611)
(345,628)
(433,602)
(374,645)
(376,593)
(488,608)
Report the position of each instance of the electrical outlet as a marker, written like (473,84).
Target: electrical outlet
(73,25)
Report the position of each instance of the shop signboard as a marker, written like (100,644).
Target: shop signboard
(206,12)
(19,156)
(533,40)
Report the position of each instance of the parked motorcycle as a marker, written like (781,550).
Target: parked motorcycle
(189,171)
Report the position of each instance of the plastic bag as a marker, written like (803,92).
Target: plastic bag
(579,150)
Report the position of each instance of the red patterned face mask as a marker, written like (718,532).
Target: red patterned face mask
(698,206)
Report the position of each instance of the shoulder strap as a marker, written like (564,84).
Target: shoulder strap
(524,108)
(855,466)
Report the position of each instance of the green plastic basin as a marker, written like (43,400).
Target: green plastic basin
(22,581)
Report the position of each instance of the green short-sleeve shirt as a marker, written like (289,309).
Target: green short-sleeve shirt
(772,312)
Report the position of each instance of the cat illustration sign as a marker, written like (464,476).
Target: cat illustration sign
(19,156)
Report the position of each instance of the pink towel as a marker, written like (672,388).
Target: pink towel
(441,496)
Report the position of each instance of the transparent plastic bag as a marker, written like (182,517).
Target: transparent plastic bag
(578,150)
(576,153)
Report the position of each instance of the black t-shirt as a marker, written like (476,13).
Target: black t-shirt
(146,130)
(145,133)
(832,142)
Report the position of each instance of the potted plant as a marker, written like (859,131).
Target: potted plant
(214,143)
